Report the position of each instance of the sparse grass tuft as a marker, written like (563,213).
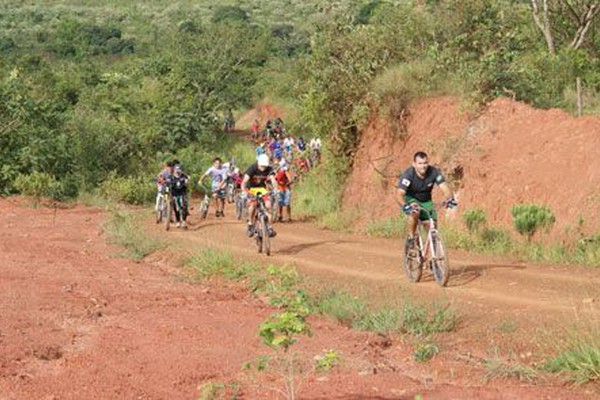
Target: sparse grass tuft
(420,321)
(394,227)
(210,262)
(124,230)
(337,221)
(580,360)
(380,321)
(342,305)
(426,351)
(496,368)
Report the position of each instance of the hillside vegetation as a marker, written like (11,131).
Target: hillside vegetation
(94,91)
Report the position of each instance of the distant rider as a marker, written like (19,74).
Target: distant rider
(162,181)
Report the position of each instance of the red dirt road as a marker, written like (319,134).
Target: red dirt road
(79,322)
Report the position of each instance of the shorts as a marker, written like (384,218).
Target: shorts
(262,191)
(285,197)
(427,208)
(218,193)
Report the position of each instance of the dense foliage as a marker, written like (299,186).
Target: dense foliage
(91,91)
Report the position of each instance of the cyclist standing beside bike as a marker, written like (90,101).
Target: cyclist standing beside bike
(256,178)
(179,183)
(414,190)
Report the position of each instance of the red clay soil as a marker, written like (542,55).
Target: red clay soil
(509,153)
(77,321)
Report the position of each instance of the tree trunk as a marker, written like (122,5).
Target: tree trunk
(543,23)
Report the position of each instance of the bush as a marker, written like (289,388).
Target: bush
(474,219)
(38,185)
(129,190)
(529,218)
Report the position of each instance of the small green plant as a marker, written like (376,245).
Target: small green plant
(211,262)
(37,185)
(474,219)
(426,351)
(327,360)
(281,331)
(530,218)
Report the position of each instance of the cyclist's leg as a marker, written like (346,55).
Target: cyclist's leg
(287,204)
(251,216)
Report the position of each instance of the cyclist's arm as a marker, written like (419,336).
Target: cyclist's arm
(245,182)
(446,190)
(400,196)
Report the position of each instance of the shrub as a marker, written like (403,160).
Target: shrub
(529,218)
(474,219)
(129,190)
(38,185)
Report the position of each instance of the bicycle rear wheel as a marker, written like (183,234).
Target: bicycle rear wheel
(412,262)
(439,260)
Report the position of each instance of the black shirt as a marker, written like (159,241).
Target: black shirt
(258,178)
(179,185)
(417,188)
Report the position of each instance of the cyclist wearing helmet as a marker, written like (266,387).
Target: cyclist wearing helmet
(414,189)
(257,177)
(179,184)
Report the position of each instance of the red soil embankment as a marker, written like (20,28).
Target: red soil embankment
(508,154)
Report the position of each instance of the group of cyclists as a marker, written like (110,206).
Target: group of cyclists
(280,160)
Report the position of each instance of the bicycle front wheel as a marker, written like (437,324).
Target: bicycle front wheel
(169,215)
(439,260)
(160,210)
(266,242)
(412,262)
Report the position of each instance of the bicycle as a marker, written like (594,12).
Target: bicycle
(261,227)
(166,210)
(205,204)
(161,207)
(432,252)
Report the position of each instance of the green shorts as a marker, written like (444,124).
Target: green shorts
(427,208)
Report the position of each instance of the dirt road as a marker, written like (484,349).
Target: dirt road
(77,321)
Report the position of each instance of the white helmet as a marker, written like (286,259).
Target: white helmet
(263,160)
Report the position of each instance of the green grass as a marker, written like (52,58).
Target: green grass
(124,229)
(210,262)
(579,360)
(337,221)
(421,321)
(394,227)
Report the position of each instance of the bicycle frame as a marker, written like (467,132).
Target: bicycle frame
(431,249)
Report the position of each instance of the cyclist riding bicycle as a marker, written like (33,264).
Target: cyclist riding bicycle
(256,180)
(218,176)
(162,180)
(178,185)
(414,191)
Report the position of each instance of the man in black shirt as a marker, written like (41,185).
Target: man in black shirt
(255,181)
(414,189)
(178,183)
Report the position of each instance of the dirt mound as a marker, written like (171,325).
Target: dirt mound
(509,153)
